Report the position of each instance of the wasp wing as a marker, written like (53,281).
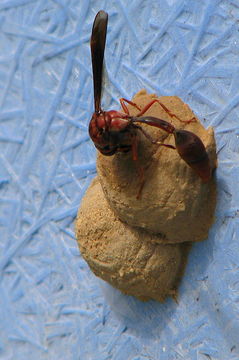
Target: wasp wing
(97,43)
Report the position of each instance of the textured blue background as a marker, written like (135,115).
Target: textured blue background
(51,305)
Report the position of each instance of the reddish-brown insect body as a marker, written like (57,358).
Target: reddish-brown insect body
(113,131)
(192,151)
(110,132)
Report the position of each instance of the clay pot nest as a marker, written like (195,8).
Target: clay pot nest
(140,246)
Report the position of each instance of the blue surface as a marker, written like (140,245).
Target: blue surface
(51,305)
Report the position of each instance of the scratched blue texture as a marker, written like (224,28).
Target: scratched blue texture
(51,305)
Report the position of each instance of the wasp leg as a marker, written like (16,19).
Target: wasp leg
(153,141)
(124,107)
(169,112)
(139,168)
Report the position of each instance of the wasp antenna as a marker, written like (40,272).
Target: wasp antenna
(97,43)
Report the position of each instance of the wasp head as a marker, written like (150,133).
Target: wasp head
(99,131)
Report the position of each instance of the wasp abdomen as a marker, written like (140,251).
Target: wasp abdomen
(192,150)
